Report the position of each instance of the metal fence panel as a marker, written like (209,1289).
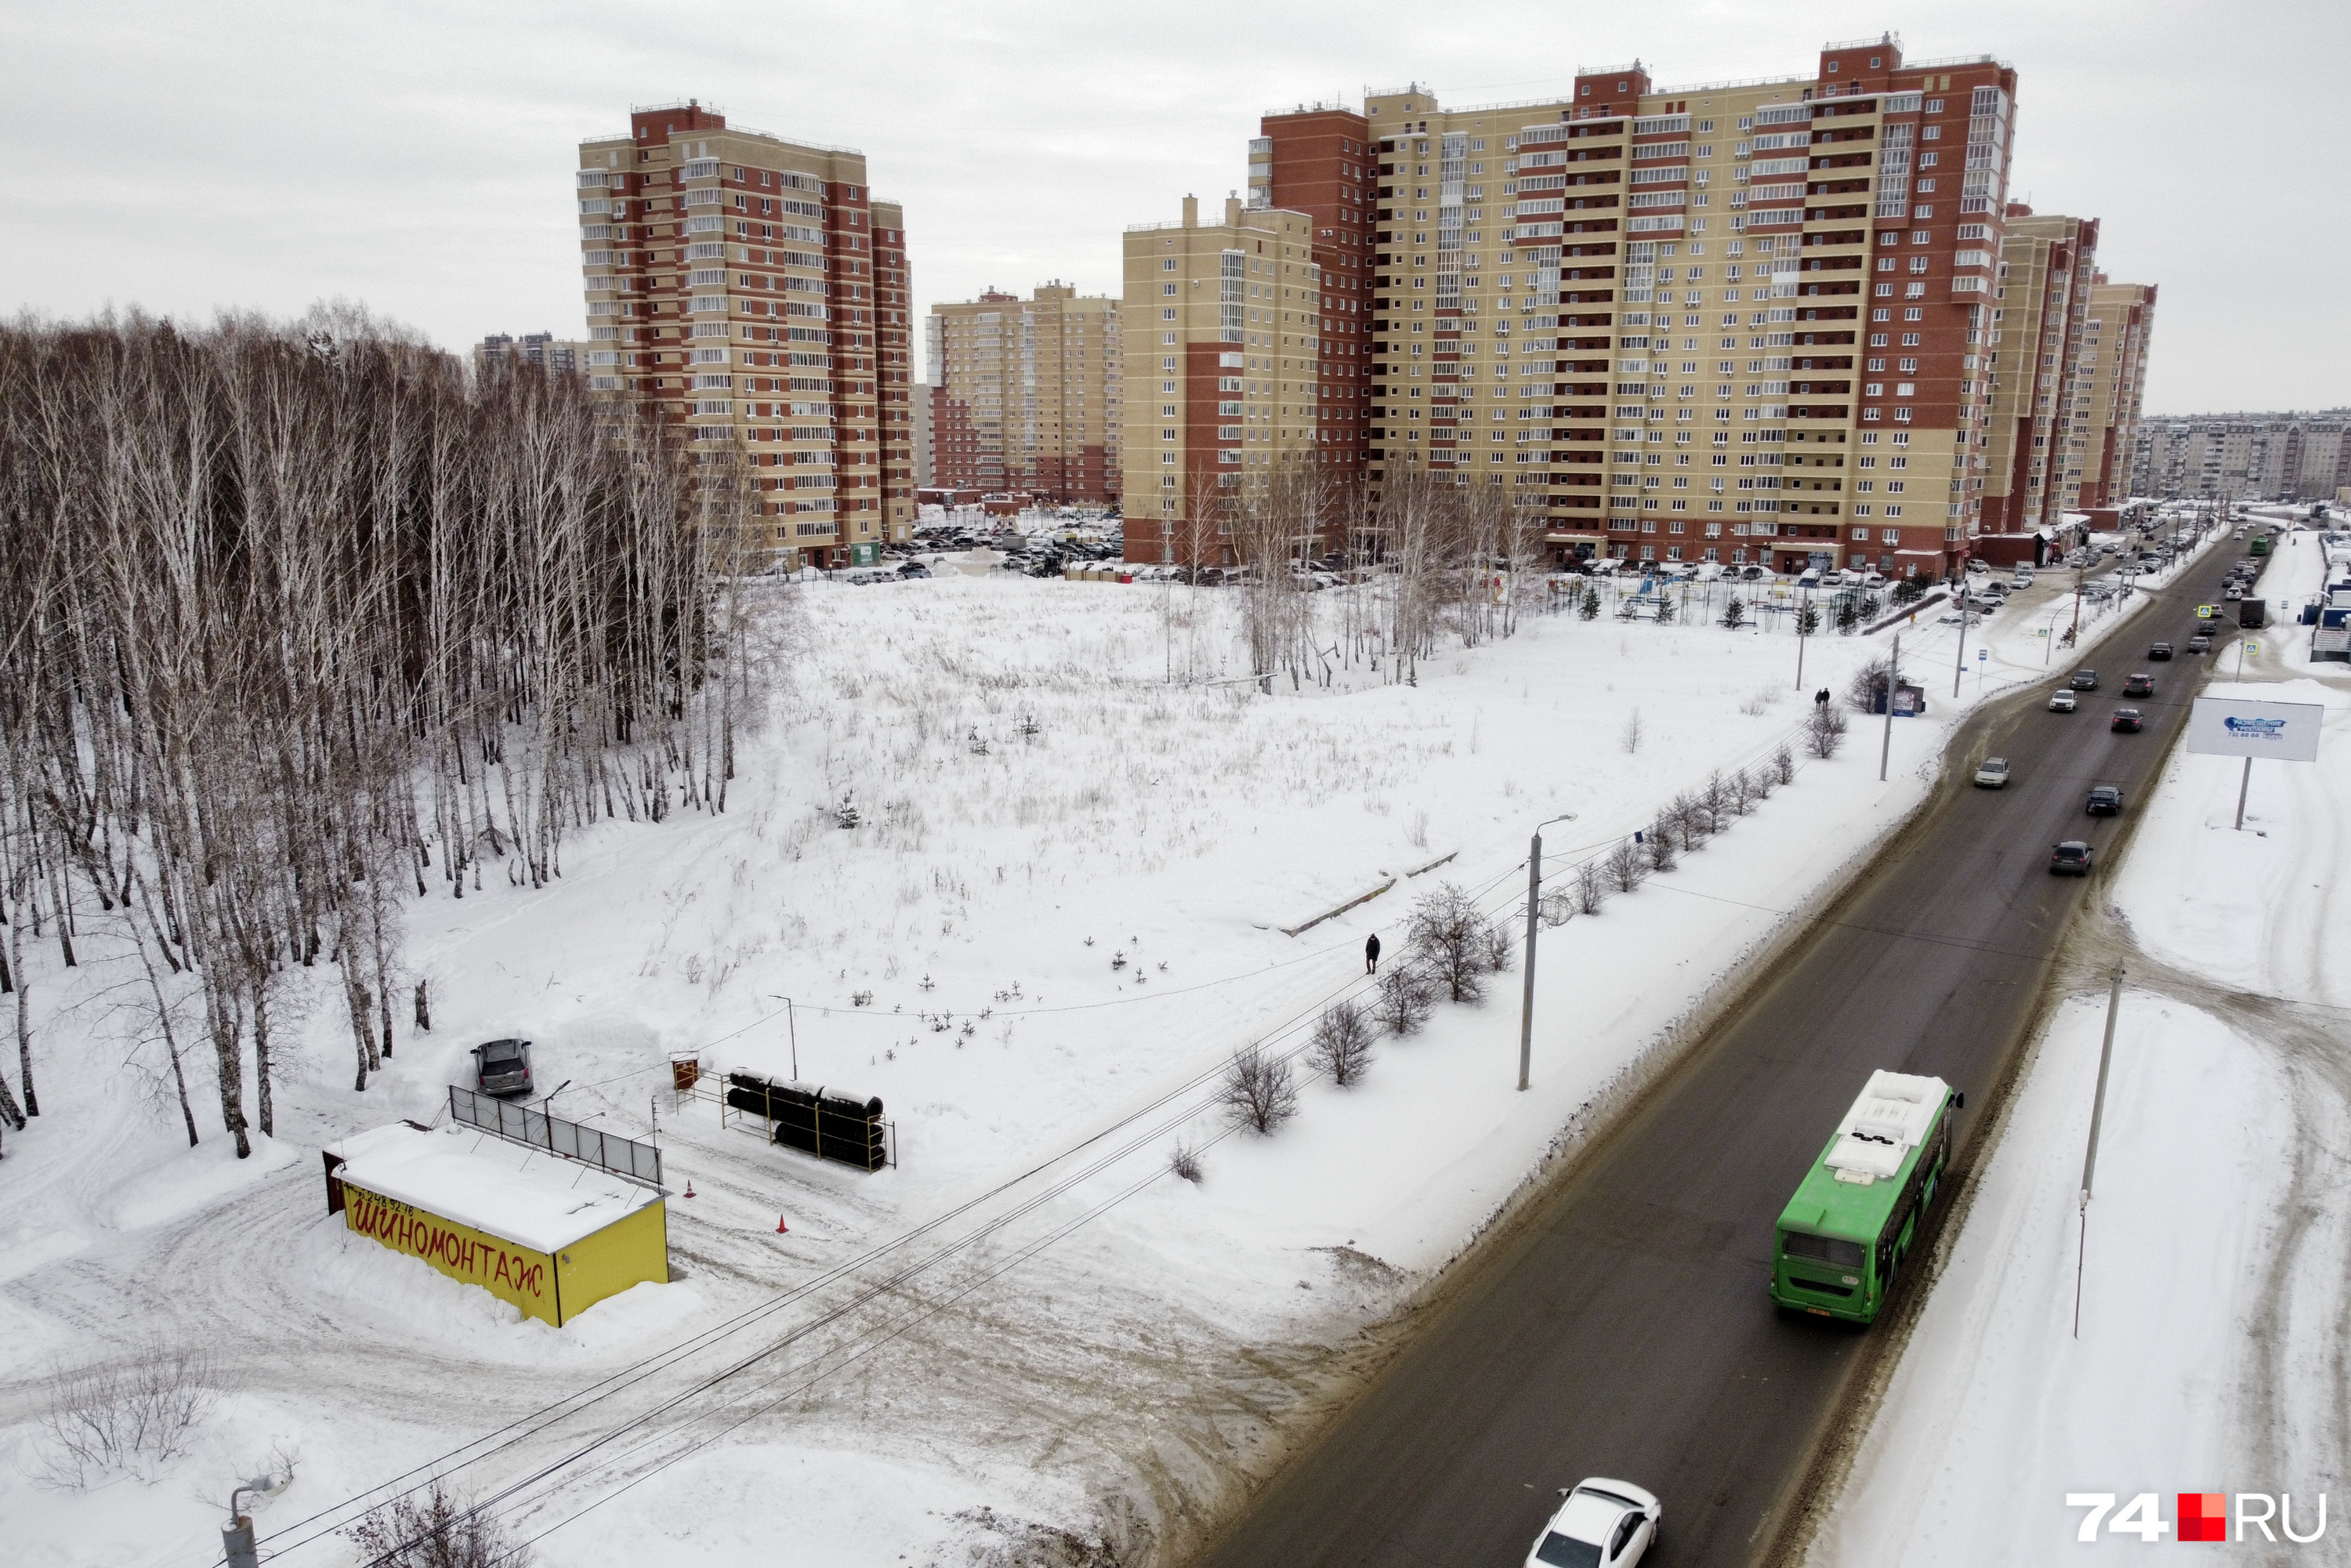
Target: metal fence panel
(609,1151)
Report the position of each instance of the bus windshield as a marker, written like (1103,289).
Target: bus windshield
(1822,1249)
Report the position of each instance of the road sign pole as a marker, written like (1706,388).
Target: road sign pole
(1960,666)
(2243,784)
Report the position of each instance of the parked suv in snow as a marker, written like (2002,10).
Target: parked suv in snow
(502,1067)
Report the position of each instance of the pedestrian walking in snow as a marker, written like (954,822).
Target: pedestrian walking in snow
(1372,954)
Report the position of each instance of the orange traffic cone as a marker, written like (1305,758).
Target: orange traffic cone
(782,1229)
(689,1186)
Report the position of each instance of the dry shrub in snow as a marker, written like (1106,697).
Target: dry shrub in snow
(1626,867)
(1825,731)
(1257,1092)
(1407,997)
(1784,764)
(1659,843)
(1591,887)
(127,1415)
(435,1532)
(1867,687)
(1185,1161)
(1343,1043)
(1447,933)
(1631,732)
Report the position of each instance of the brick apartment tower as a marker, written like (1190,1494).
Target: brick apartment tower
(1031,390)
(1319,161)
(1223,362)
(1825,243)
(752,293)
(2113,364)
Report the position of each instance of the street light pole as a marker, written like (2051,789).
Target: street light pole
(1893,670)
(1534,911)
(2097,1117)
(1959,664)
(1803,603)
(793,1027)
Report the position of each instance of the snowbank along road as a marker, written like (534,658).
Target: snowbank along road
(1620,1327)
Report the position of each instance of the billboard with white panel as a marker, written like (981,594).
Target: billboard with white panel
(2232,726)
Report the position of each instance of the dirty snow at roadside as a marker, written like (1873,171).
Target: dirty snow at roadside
(1060,910)
(2214,1290)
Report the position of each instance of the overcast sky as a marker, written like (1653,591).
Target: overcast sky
(418,158)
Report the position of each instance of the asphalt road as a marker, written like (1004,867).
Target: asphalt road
(1621,1328)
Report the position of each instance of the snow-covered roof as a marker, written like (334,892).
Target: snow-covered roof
(1885,1125)
(534,1200)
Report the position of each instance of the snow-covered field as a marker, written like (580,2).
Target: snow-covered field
(1060,911)
(2216,1280)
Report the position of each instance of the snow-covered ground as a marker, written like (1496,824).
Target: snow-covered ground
(2216,1280)
(1060,913)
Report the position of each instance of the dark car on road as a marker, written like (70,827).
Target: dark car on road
(2106,801)
(2085,680)
(2071,858)
(2141,685)
(2127,721)
(2158,650)
(502,1067)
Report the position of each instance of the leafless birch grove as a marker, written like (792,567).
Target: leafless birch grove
(297,627)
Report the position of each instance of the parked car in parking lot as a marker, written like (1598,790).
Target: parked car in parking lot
(1603,1524)
(2106,801)
(2127,721)
(2071,858)
(1993,773)
(2085,680)
(2139,686)
(2060,702)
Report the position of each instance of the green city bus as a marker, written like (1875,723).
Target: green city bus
(1860,1207)
(2260,544)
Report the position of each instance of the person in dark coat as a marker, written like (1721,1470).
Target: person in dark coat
(1372,954)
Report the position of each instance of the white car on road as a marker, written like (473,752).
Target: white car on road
(1603,1524)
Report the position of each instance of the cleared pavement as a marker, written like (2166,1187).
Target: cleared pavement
(1621,1326)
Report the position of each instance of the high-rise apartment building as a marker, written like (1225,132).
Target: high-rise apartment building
(1736,322)
(501,352)
(1223,363)
(2115,347)
(1317,160)
(924,463)
(751,293)
(1032,389)
(2040,425)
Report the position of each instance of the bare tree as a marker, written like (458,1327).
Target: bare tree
(1625,866)
(1825,731)
(1406,997)
(436,1530)
(1343,1042)
(1447,933)
(1657,843)
(1257,1091)
(1590,886)
(1784,764)
(1631,736)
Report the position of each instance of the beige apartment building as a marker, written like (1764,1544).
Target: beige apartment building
(1223,339)
(2113,360)
(1033,389)
(1733,322)
(751,293)
(2040,436)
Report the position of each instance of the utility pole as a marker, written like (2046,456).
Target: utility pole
(792,1025)
(2243,785)
(2097,1117)
(1803,603)
(1893,669)
(1959,665)
(1534,909)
